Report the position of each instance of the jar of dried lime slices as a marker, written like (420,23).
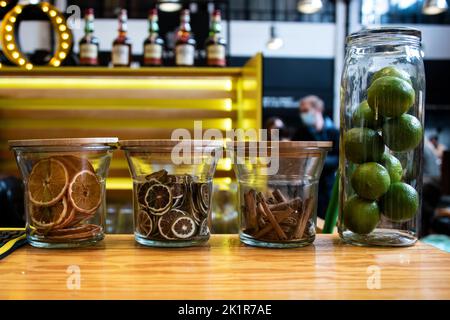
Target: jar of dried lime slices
(172,185)
(64,189)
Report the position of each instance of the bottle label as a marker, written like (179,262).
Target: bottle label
(88,53)
(215,55)
(121,55)
(152,53)
(184,55)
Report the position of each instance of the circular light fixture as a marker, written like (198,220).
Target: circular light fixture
(8,40)
(275,42)
(309,6)
(169,5)
(432,7)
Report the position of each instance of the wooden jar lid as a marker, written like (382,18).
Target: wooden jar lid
(108,141)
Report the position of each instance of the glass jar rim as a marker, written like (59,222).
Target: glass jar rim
(281,145)
(167,145)
(393,32)
(65,142)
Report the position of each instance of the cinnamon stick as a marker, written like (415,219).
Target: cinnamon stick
(279,196)
(300,230)
(273,221)
(250,204)
(294,203)
(280,216)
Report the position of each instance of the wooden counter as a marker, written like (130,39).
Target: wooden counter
(225,269)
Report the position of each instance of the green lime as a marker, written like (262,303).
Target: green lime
(401,202)
(392,72)
(363,145)
(391,96)
(393,166)
(360,215)
(370,180)
(403,133)
(363,116)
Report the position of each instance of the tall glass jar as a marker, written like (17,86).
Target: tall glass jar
(382,116)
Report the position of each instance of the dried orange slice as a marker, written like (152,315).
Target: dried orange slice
(183,227)
(68,219)
(47,182)
(48,217)
(158,199)
(144,223)
(79,218)
(74,164)
(85,192)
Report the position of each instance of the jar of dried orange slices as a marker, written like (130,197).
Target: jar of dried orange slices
(64,189)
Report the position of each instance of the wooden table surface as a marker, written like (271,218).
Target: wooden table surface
(224,269)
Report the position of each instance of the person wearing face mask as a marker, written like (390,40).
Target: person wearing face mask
(315,126)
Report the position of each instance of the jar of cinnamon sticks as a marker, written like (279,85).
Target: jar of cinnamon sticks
(278,186)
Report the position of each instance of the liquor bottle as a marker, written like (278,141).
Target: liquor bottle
(215,44)
(185,43)
(121,48)
(89,44)
(154,44)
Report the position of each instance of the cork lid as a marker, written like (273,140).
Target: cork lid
(61,142)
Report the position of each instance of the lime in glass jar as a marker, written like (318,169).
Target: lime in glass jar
(382,117)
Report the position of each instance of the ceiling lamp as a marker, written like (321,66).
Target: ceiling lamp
(309,6)
(274,42)
(432,7)
(169,5)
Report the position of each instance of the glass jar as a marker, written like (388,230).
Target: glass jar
(382,116)
(64,189)
(278,186)
(172,189)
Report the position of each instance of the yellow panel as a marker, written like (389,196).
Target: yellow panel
(221,124)
(119,84)
(126,103)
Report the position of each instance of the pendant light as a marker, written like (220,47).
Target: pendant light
(309,6)
(432,7)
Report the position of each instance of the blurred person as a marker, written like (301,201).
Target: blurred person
(315,126)
(431,189)
(276,123)
(437,148)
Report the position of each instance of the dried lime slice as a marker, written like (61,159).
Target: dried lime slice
(205,193)
(158,199)
(144,223)
(204,228)
(142,191)
(184,227)
(166,221)
(160,176)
